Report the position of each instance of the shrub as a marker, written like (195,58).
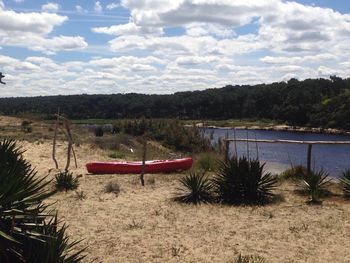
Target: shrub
(27,232)
(117,155)
(195,188)
(66,181)
(315,184)
(208,162)
(98,131)
(294,173)
(345,183)
(112,187)
(25,126)
(243,181)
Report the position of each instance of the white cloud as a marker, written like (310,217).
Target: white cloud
(98,7)
(112,6)
(128,29)
(50,7)
(30,30)
(80,9)
(2,4)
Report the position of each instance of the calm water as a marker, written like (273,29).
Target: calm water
(278,157)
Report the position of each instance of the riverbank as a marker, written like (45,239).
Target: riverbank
(281,128)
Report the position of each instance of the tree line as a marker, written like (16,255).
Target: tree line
(311,102)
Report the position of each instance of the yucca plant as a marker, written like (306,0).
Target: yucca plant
(24,235)
(344,182)
(195,188)
(315,184)
(66,181)
(243,181)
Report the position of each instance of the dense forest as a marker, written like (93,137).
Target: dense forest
(312,102)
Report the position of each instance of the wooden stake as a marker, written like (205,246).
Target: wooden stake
(143,162)
(54,139)
(227,149)
(309,148)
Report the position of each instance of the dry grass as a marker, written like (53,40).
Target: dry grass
(142,224)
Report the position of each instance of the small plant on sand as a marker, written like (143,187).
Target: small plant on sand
(315,185)
(344,182)
(243,181)
(195,188)
(249,259)
(66,181)
(80,195)
(112,187)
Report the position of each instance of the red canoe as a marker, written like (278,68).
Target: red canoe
(155,166)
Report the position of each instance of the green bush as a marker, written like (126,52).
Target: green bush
(98,132)
(208,162)
(315,184)
(195,188)
(27,232)
(172,133)
(243,181)
(345,183)
(117,155)
(294,173)
(66,181)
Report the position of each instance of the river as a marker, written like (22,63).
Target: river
(278,157)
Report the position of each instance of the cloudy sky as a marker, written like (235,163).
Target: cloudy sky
(164,46)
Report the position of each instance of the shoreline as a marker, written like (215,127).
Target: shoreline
(281,128)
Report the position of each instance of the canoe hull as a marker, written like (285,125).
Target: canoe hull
(155,166)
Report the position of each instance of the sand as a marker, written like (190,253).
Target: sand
(143,224)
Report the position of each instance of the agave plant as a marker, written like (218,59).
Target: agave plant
(66,181)
(345,183)
(243,181)
(195,188)
(24,234)
(315,184)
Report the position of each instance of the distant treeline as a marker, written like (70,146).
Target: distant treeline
(312,102)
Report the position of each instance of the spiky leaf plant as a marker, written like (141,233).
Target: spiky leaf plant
(345,183)
(315,184)
(23,227)
(195,188)
(66,181)
(243,181)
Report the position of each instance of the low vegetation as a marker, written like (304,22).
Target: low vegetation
(238,181)
(294,173)
(243,181)
(66,181)
(345,183)
(315,185)
(195,188)
(112,187)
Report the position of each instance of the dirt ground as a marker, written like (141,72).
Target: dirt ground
(143,224)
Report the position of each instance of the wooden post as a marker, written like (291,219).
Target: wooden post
(143,162)
(54,139)
(227,150)
(309,148)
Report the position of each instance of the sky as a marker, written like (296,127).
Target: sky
(165,46)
